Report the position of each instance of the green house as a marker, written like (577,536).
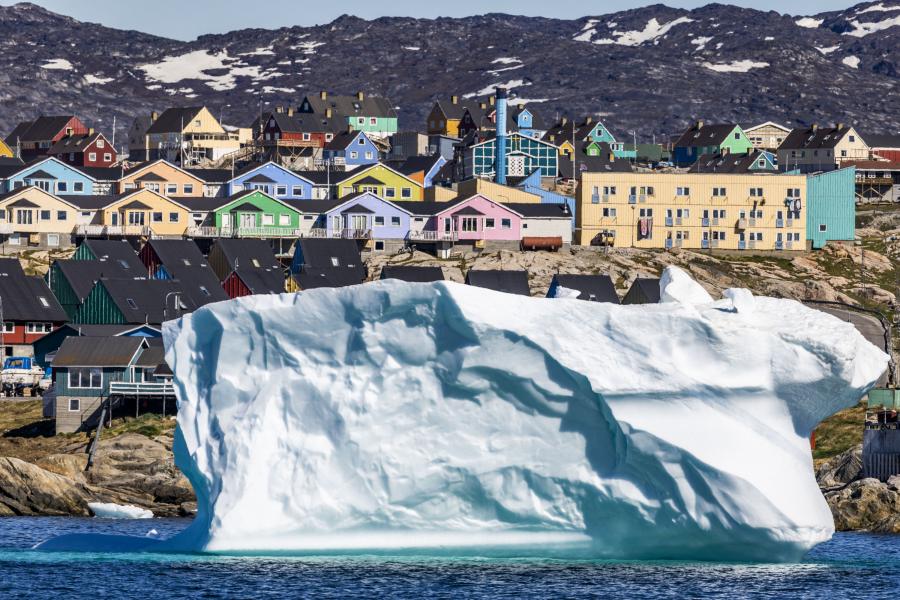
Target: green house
(701,138)
(256,214)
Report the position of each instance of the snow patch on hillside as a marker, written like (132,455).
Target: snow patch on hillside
(509,85)
(267,51)
(59,64)
(652,31)
(506,60)
(197,64)
(877,8)
(97,80)
(701,42)
(737,66)
(809,22)
(851,61)
(827,50)
(307,47)
(864,29)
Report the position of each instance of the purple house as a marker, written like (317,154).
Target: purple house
(366,216)
(477,218)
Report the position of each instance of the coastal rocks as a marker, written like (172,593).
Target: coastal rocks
(842,469)
(866,504)
(26,489)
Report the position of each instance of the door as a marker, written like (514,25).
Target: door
(358,222)
(337,226)
(114,219)
(448,226)
(248,220)
(226,221)
(516,166)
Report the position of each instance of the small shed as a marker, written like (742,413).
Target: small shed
(412,273)
(644,290)
(594,288)
(511,282)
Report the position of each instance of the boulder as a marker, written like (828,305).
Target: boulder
(27,489)
(867,505)
(841,469)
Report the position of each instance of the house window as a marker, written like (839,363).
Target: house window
(153,187)
(38,328)
(406,193)
(157,217)
(719,192)
(374,121)
(61,215)
(53,239)
(823,228)
(268,219)
(395,221)
(62,187)
(45,215)
(505,223)
(204,291)
(609,212)
(390,192)
(852,138)
(756,192)
(171,189)
(188,189)
(78,187)
(85,378)
(74,405)
(737,136)
(361,141)
(92,156)
(107,157)
(379,245)
(173,217)
(23,216)
(354,154)
(361,120)
(128,187)
(284,220)
(682,191)
(306,137)
(297,191)
(489,223)
(843,153)
(469,224)
(281,190)
(9,327)
(335,262)
(379,221)
(101,144)
(369,155)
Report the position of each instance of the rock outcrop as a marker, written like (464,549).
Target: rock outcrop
(859,503)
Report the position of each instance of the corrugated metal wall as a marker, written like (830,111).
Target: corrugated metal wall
(831,202)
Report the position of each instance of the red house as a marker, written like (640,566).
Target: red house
(885,146)
(284,127)
(88,150)
(29,309)
(35,138)
(246,266)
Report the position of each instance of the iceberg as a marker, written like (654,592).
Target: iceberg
(427,417)
(108,510)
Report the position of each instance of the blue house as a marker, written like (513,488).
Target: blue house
(353,148)
(51,175)
(523,155)
(831,206)
(366,216)
(532,185)
(526,122)
(273,180)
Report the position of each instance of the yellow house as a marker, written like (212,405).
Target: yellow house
(31,216)
(382,181)
(143,212)
(815,148)
(692,210)
(5,150)
(161,177)
(190,133)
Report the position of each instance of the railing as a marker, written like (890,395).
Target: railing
(742,245)
(704,222)
(632,199)
(433,236)
(704,244)
(779,245)
(113,230)
(89,229)
(335,161)
(668,221)
(352,234)
(779,222)
(204,232)
(6,228)
(251,232)
(315,232)
(126,388)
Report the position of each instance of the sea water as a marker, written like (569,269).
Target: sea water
(852,565)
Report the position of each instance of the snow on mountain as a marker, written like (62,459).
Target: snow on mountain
(651,31)
(864,29)
(738,66)
(851,61)
(58,63)
(809,22)
(878,8)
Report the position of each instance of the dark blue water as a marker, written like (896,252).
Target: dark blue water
(850,566)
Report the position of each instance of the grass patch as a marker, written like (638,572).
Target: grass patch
(148,425)
(840,432)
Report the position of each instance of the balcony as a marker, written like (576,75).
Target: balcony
(779,222)
(679,220)
(741,224)
(668,244)
(89,229)
(642,198)
(352,234)
(6,228)
(742,245)
(203,232)
(715,221)
(264,232)
(127,230)
(704,244)
(790,222)
(433,236)
(632,199)
(125,388)
(315,232)
(595,199)
(752,222)
(779,245)
(604,198)
(669,221)
(704,222)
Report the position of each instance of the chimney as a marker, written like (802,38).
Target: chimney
(588,120)
(565,121)
(91,131)
(279,109)
(521,107)
(482,106)
(323,95)
(839,126)
(501,136)
(492,100)
(328,113)
(454,99)
(154,116)
(360,96)
(699,124)
(815,127)
(290,111)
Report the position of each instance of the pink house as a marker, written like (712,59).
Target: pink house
(478,218)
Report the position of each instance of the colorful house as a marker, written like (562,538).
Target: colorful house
(479,219)
(142,212)
(756,161)
(182,260)
(88,150)
(372,114)
(189,134)
(272,180)
(366,216)
(421,168)
(134,301)
(523,156)
(35,138)
(29,309)
(5,150)
(246,266)
(351,149)
(286,128)
(831,206)
(702,138)
(163,178)
(380,180)
(31,216)
(51,175)
(445,117)
(814,148)
(255,214)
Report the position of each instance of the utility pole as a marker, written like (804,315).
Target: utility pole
(113,141)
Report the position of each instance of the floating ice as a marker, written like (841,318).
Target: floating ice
(106,510)
(397,416)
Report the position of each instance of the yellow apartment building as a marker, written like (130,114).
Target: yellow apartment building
(692,210)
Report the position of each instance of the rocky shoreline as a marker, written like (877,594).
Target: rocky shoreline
(859,503)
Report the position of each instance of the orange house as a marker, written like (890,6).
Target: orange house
(163,178)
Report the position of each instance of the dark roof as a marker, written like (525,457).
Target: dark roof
(101,173)
(40,174)
(342,140)
(369,106)
(701,134)
(211,175)
(247,207)
(425,209)
(882,140)
(728,163)
(311,277)
(548,209)
(813,138)
(84,351)
(511,282)
(411,273)
(415,164)
(151,176)
(152,356)
(201,203)
(41,129)
(172,120)
(644,290)
(367,180)
(184,262)
(82,274)
(308,123)
(17,133)
(119,251)
(260,178)
(319,252)
(137,204)
(594,164)
(246,253)
(88,202)
(26,298)
(358,209)
(11,161)
(269,280)
(23,203)
(314,206)
(75,143)
(103,330)
(148,299)
(596,288)
(317,177)
(468,210)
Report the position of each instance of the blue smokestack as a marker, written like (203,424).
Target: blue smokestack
(501,136)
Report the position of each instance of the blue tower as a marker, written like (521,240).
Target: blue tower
(501,136)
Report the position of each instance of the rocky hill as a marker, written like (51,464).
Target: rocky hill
(651,69)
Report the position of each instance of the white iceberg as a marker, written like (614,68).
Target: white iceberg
(421,417)
(108,510)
